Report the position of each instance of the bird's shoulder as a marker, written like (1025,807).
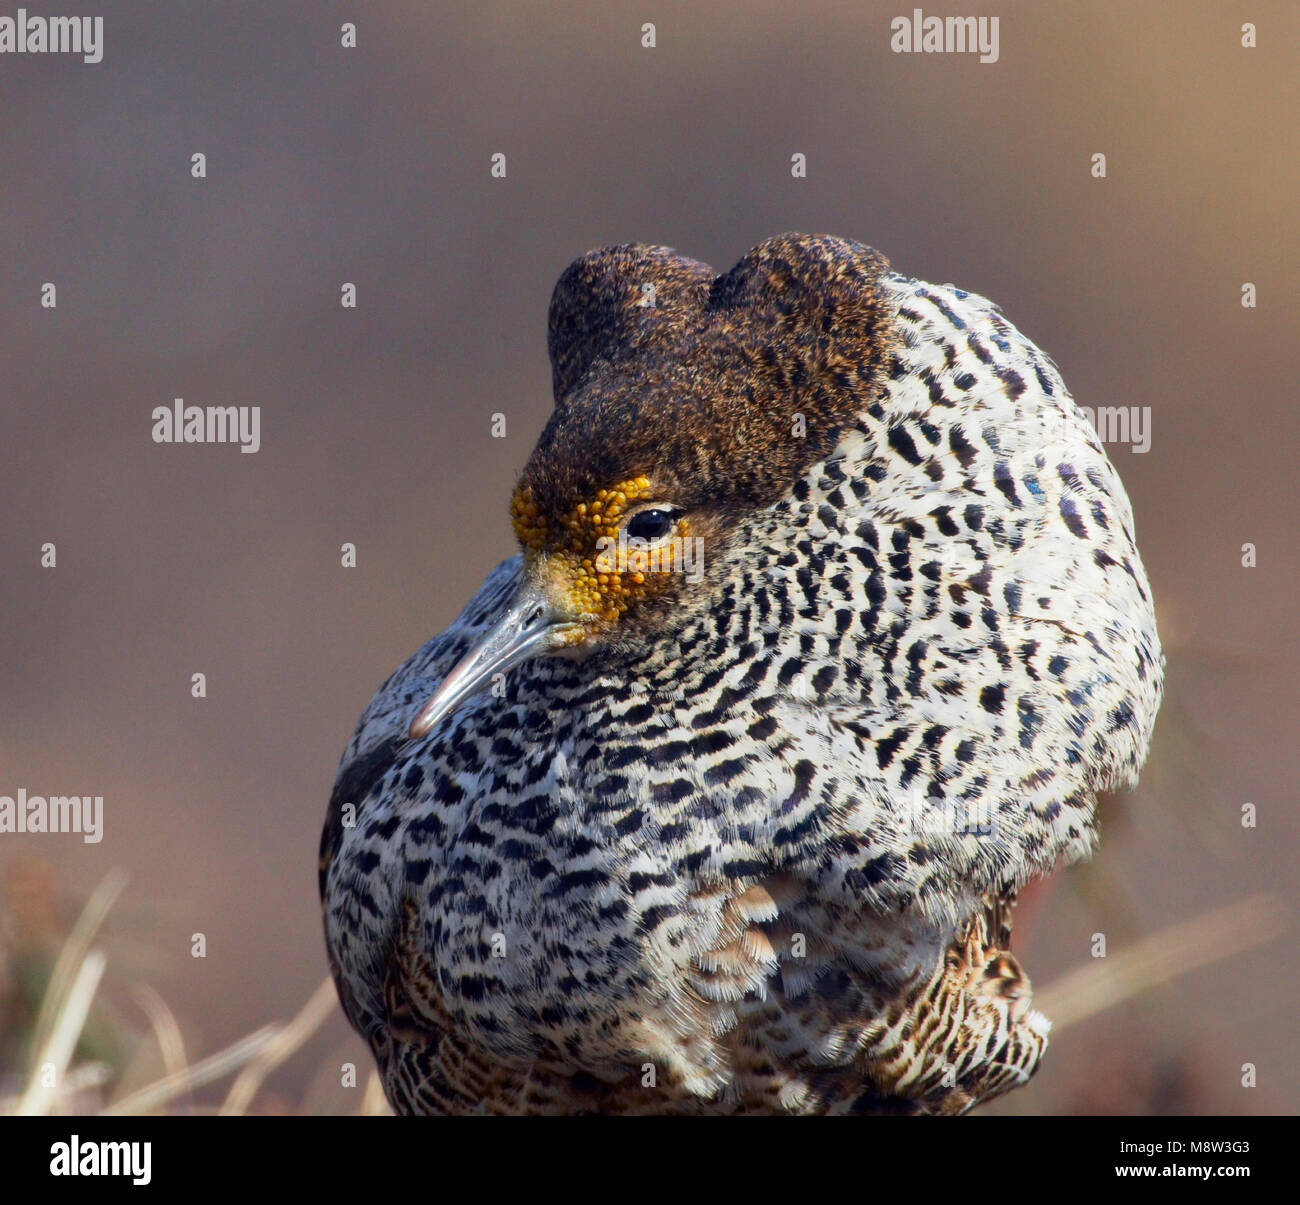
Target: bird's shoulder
(360,868)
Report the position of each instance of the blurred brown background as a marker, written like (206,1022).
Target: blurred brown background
(371,165)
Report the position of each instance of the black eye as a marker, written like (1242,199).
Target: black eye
(650,524)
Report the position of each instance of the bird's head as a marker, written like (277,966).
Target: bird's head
(684,400)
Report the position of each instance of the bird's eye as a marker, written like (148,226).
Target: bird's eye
(650,524)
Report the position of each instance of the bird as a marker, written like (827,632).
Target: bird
(826,628)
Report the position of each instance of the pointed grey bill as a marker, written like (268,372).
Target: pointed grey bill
(530,627)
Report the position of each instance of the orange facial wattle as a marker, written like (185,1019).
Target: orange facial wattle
(571,558)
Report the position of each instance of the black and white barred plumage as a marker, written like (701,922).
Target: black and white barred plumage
(756,850)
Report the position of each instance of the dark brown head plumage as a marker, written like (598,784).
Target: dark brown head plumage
(662,369)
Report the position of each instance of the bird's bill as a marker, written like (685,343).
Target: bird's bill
(531,627)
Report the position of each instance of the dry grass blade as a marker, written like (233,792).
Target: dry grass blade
(68,964)
(52,1058)
(1092,989)
(162,1091)
(309,1019)
(163,1021)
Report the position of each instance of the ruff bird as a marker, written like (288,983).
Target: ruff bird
(827,625)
